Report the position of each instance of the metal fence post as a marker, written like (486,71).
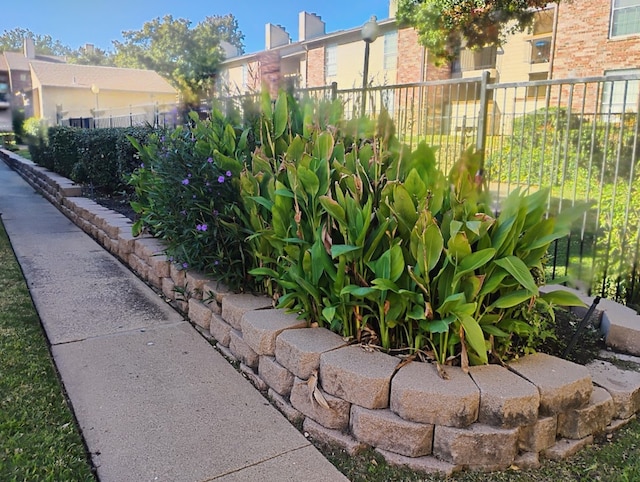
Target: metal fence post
(483,115)
(334,91)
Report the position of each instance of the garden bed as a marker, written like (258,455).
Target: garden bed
(487,419)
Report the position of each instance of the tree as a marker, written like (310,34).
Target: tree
(443,24)
(90,55)
(189,57)
(13,40)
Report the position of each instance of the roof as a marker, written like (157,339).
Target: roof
(18,61)
(105,78)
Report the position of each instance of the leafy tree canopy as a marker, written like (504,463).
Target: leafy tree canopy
(91,55)
(188,56)
(13,41)
(443,24)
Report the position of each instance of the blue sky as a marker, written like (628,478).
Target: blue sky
(75,23)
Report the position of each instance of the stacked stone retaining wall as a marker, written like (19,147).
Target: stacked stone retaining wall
(488,419)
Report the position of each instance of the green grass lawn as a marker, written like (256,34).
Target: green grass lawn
(39,440)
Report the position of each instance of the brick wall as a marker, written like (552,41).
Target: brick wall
(583,47)
(270,71)
(315,67)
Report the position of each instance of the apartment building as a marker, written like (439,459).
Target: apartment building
(576,38)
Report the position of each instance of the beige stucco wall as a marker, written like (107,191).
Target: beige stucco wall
(79,102)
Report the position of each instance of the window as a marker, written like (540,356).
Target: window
(620,96)
(331,60)
(540,50)
(390,51)
(538,91)
(625,17)
(245,77)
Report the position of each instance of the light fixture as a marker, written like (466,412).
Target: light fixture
(369,33)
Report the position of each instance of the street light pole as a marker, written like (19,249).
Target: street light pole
(369,34)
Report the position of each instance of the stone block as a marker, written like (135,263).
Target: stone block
(241,350)
(506,400)
(527,460)
(622,385)
(138,265)
(335,417)
(147,246)
(160,265)
(255,380)
(126,243)
(215,290)
(291,414)
(563,385)
(227,353)
(178,274)
(385,430)
(196,282)
(168,288)
(154,280)
(579,423)
(478,445)
(564,448)
(220,329)
(427,465)
(333,437)
(419,394)
(199,313)
(234,306)
(275,375)
(538,436)
(616,425)
(299,350)
(358,376)
(261,328)
(621,325)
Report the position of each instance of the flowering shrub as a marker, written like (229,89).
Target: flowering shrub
(187,189)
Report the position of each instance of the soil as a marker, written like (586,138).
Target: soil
(116,202)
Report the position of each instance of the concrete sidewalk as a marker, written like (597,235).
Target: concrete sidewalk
(154,400)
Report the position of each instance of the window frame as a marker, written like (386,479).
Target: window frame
(331,61)
(612,17)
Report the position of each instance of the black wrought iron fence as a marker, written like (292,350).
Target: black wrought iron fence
(578,137)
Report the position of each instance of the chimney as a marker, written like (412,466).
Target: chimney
(393,8)
(89,49)
(29,48)
(229,50)
(276,36)
(310,26)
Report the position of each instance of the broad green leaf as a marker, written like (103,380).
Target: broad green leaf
(437,326)
(340,249)
(512,299)
(385,284)
(397,263)
(405,209)
(263,272)
(281,115)
(329,313)
(475,337)
(494,330)
(334,209)
(323,148)
(284,192)
(458,248)
(415,186)
(309,180)
(359,291)
(515,326)
(492,283)
(296,150)
(474,261)
(516,268)
(450,304)
(262,201)
(562,298)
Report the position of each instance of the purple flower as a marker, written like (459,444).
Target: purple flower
(216,262)
(207,184)
(142,165)
(210,160)
(185,181)
(189,175)
(220,179)
(201,227)
(215,212)
(228,173)
(183,212)
(185,265)
(162,139)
